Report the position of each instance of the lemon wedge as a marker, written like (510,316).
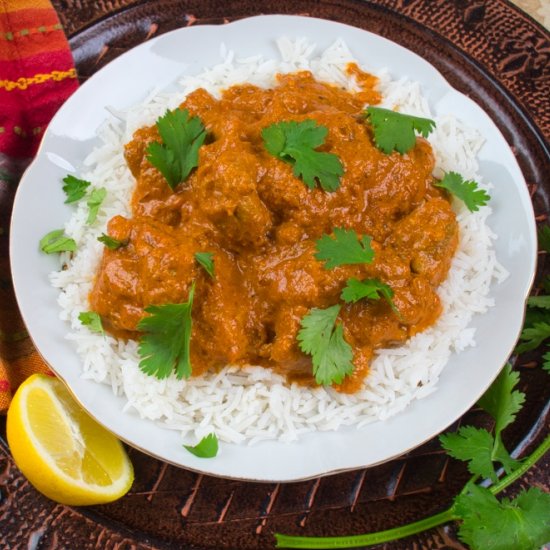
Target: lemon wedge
(61,450)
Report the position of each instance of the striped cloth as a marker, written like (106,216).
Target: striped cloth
(37,75)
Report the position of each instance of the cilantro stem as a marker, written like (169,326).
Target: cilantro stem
(287,541)
(353,541)
(531,460)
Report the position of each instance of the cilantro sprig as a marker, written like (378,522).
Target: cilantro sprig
(323,339)
(165,346)
(371,289)
(95,199)
(295,143)
(57,241)
(182,136)
(206,261)
(346,247)
(465,190)
(75,188)
(92,320)
(485,523)
(396,131)
(207,447)
(111,242)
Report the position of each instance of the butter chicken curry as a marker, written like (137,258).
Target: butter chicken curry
(261,223)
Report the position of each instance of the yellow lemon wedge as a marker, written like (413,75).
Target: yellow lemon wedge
(61,450)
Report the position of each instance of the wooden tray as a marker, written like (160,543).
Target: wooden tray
(489,50)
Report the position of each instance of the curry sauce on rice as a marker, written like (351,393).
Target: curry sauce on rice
(261,224)
(291,272)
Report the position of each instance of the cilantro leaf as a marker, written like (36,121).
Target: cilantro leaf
(319,337)
(396,131)
(542,302)
(500,454)
(474,446)
(533,336)
(501,401)
(488,524)
(466,191)
(207,447)
(295,143)
(57,241)
(166,342)
(372,289)
(206,260)
(544,238)
(111,243)
(92,320)
(182,137)
(546,364)
(345,248)
(75,188)
(95,198)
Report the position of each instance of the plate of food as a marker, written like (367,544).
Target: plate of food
(263,232)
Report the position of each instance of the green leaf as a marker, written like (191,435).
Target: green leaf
(466,191)
(57,241)
(182,137)
(396,131)
(92,320)
(295,143)
(474,446)
(500,454)
(206,260)
(165,345)
(345,248)
(372,289)
(487,524)
(207,447)
(544,238)
(533,336)
(501,401)
(111,243)
(542,302)
(546,364)
(75,188)
(95,198)
(319,337)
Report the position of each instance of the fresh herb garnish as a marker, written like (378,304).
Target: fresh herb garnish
(165,345)
(57,241)
(182,136)
(396,131)
(345,248)
(92,320)
(539,301)
(466,191)
(544,238)
(519,524)
(319,337)
(75,188)
(484,522)
(207,447)
(112,243)
(95,198)
(206,260)
(295,143)
(532,337)
(372,289)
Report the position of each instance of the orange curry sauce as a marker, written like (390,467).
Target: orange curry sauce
(261,223)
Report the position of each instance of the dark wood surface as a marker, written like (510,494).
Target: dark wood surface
(491,51)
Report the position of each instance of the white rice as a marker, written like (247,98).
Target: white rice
(255,404)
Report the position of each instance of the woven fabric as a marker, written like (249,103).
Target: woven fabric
(37,75)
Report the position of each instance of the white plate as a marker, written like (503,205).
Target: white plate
(70,137)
